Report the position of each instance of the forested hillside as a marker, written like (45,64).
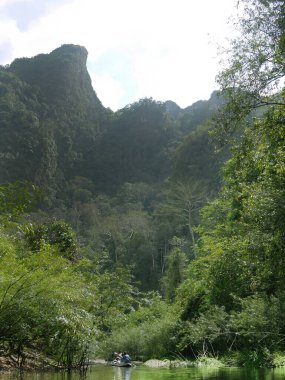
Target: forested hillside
(80,182)
(169,221)
(108,174)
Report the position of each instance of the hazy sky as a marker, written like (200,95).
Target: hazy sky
(165,49)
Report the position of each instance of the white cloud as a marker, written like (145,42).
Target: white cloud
(109,90)
(167,41)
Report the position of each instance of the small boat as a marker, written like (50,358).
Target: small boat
(117,363)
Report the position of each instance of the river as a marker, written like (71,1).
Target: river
(102,372)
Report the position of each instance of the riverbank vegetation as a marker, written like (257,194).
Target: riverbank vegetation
(154,230)
(230,300)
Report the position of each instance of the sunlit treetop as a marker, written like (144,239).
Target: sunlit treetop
(254,63)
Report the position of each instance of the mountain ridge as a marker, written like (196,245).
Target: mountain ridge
(62,130)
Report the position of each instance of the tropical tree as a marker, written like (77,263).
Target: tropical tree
(254,63)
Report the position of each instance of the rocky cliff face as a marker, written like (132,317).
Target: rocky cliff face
(60,77)
(50,116)
(54,128)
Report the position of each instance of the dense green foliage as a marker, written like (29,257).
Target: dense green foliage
(104,173)
(230,299)
(127,230)
(236,287)
(50,303)
(91,211)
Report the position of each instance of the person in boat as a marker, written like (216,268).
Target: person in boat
(125,358)
(118,357)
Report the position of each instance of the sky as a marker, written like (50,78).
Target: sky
(164,49)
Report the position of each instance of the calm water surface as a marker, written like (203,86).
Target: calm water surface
(142,373)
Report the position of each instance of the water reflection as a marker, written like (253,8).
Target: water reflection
(143,373)
(204,373)
(122,373)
